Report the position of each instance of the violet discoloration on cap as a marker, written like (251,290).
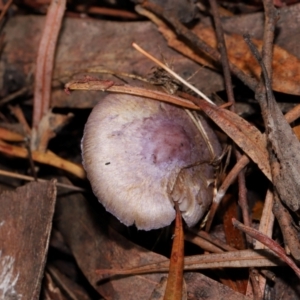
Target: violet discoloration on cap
(141,155)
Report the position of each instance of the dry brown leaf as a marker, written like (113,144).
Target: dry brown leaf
(48,158)
(286,67)
(245,135)
(174,288)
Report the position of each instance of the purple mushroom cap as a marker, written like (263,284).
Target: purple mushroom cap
(142,155)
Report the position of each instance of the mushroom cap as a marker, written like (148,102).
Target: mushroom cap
(141,155)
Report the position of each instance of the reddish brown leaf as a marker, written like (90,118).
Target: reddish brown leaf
(286,66)
(175,278)
(269,243)
(45,59)
(245,135)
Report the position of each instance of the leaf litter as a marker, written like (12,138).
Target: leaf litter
(101,252)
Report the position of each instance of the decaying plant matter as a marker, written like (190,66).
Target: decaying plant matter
(150,152)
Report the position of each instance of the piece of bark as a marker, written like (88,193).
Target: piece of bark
(25,225)
(86,43)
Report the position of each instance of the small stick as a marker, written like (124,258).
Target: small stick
(45,59)
(14,95)
(289,232)
(271,244)
(31,162)
(105,11)
(202,243)
(264,70)
(30,178)
(213,240)
(223,51)
(230,178)
(17,111)
(230,96)
(5,8)
(179,78)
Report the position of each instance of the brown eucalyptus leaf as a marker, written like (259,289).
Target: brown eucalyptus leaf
(286,67)
(245,135)
(174,288)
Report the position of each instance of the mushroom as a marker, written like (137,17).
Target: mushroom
(141,156)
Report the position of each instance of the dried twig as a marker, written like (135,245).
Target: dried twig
(17,111)
(45,58)
(223,52)
(202,243)
(11,136)
(106,11)
(14,95)
(5,8)
(230,178)
(271,244)
(30,178)
(234,259)
(287,227)
(254,275)
(48,158)
(230,95)
(176,76)
(215,241)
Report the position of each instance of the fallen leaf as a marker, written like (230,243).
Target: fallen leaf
(175,278)
(286,67)
(47,157)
